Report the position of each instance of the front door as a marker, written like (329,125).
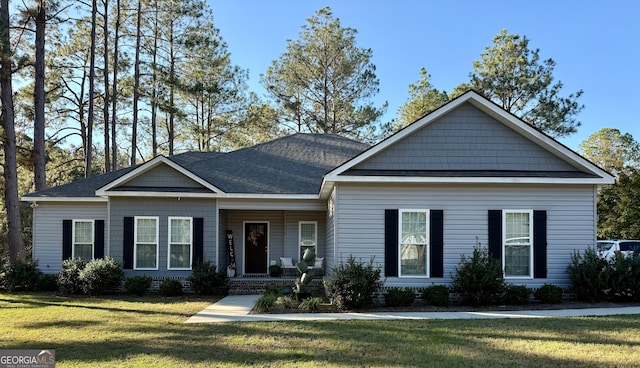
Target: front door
(255,247)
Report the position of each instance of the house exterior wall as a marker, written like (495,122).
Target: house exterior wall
(47,229)
(465,139)
(162,208)
(571,219)
(163,176)
(330,245)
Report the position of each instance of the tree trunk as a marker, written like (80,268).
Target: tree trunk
(105,108)
(39,161)
(172,75)
(114,95)
(88,154)
(154,92)
(136,87)
(12,203)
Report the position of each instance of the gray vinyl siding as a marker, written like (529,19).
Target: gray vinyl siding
(223,253)
(47,229)
(330,238)
(163,176)
(570,210)
(163,208)
(465,139)
(283,232)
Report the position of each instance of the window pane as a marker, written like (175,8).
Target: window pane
(179,256)
(146,256)
(146,230)
(516,260)
(83,251)
(517,228)
(414,227)
(308,234)
(413,259)
(83,232)
(181,231)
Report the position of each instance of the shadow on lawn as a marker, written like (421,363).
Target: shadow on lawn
(353,343)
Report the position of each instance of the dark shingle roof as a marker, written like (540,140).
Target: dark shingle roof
(290,165)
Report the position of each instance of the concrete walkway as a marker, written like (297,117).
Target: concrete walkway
(236,308)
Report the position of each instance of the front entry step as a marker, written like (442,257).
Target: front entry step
(254,285)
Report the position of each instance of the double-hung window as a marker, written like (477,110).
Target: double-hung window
(517,252)
(180,243)
(414,243)
(146,243)
(83,239)
(308,231)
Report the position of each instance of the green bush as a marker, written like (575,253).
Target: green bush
(516,294)
(101,276)
(265,303)
(285,301)
(311,305)
(278,290)
(47,282)
(20,276)
(170,287)
(352,284)
(436,295)
(588,275)
(478,278)
(69,278)
(548,294)
(623,278)
(137,285)
(206,281)
(399,297)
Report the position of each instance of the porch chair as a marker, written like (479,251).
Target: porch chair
(288,268)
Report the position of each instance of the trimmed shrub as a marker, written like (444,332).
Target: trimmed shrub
(478,278)
(437,295)
(101,276)
(623,278)
(286,302)
(548,294)
(588,275)
(516,294)
(20,276)
(205,280)
(352,284)
(69,278)
(265,303)
(137,285)
(399,297)
(170,287)
(311,305)
(47,282)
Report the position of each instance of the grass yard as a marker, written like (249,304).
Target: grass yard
(149,332)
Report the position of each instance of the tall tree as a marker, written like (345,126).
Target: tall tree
(612,150)
(619,207)
(12,202)
(512,75)
(114,94)
(39,162)
(136,84)
(106,98)
(324,80)
(92,73)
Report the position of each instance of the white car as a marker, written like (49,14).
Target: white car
(607,249)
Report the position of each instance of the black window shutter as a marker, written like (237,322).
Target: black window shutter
(98,237)
(67,229)
(198,240)
(540,244)
(495,234)
(436,241)
(391,243)
(127,243)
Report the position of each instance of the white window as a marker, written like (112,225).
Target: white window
(414,243)
(146,243)
(308,232)
(180,243)
(517,245)
(83,239)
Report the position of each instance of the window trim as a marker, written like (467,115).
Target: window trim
(169,243)
(300,223)
(135,243)
(73,237)
(504,243)
(427,250)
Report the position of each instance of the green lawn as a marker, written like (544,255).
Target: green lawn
(149,332)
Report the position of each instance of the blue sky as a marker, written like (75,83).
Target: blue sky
(596,45)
